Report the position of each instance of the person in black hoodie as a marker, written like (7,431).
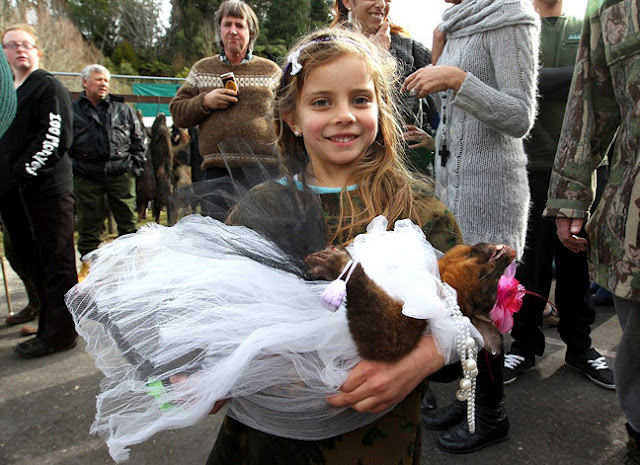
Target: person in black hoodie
(108,152)
(36,195)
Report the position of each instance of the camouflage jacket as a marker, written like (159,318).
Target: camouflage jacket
(604,109)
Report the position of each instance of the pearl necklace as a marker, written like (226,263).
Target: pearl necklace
(468,353)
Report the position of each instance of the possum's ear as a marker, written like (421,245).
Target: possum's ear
(490,334)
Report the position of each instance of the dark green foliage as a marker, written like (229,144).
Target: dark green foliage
(287,20)
(321,13)
(139,42)
(124,52)
(275,50)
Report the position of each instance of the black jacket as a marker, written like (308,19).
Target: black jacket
(99,152)
(33,150)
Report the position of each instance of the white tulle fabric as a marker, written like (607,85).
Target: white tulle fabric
(176,321)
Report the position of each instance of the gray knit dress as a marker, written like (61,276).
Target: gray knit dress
(7,95)
(483,179)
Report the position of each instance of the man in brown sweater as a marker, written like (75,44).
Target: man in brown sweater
(232,115)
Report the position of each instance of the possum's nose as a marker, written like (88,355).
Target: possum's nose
(501,250)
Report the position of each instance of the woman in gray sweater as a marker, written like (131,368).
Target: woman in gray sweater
(485,73)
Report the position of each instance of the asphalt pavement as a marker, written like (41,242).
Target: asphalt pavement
(47,405)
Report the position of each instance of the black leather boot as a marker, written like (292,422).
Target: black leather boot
(492,427)
(492,424)
(445,417)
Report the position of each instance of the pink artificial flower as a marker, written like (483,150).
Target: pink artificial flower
(508,301)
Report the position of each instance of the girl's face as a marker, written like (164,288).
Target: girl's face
(371,14)
(337,115)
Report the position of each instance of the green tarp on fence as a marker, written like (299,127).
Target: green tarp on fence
(156,90)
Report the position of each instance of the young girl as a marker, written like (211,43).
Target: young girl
(339,137)
(178,318)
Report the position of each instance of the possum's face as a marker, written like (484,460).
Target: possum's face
(179,136)
(474,272)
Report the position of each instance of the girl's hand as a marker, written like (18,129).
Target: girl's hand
(439,41)
(414,133)
(383,36)
(376,386)
(432,79)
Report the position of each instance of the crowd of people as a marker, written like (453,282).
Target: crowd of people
(492,136)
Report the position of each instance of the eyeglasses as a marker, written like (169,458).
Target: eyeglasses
(15,45)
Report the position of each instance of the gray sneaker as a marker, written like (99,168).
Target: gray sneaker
(593,365)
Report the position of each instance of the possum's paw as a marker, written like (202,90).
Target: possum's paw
(328,263)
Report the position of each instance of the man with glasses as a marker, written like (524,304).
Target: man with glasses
(36,193)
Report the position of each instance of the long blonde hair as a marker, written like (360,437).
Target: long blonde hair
(384,183)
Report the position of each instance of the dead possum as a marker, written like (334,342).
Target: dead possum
(381,332)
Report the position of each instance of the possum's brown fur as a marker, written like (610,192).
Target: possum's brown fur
(380,330)
(162,158)
(146,182)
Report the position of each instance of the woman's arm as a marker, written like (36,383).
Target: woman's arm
(510,107)
(432,79)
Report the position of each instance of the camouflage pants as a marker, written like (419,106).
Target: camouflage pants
(395,439)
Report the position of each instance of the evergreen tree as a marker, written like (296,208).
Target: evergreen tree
(321,13)
(287,20)
(191,29)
